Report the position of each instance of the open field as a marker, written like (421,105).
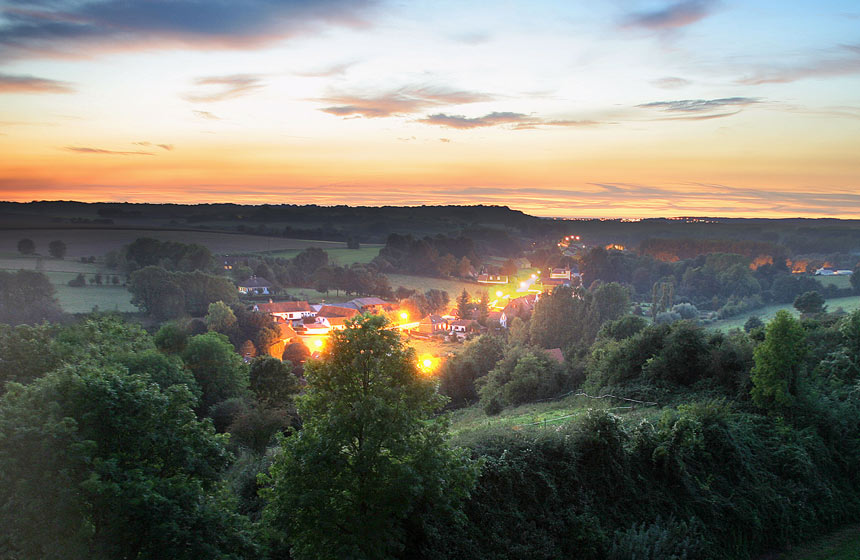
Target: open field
(838,281)
(434,347)
(841,545)
(339,255)
(539,415)
(423,283)
(849,304)
(98,241)
(106,297)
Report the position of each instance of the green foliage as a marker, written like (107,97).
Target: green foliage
(661,540)
(754,322)
(522,375)
(27,296)
(145,251)
(218,369)
(809,303)
(369,463)
(167,295)
(25,352)
(564,318)
(98,461)
(778,362)
(220,318)
(171,338)
(273,382)
(622,328)
(458,374)
(464,306)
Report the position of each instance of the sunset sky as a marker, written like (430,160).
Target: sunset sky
(606,109)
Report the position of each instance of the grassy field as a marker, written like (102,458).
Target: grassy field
(849,304)
(838,281)
(106,297)
(338,255)
(97,242)
(435,347)
(423,283)
(841,545)
(539,415)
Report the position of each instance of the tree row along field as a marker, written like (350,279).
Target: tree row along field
(87,242)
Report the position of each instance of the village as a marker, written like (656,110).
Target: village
(507,297)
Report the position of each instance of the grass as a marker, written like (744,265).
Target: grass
(841,545)
(339,255)
(434,346)
(849,304)
(313,296)
(538,415)
(75,300)
(424,283)
(838,281)
(98,241)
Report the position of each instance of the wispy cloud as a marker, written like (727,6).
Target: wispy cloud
(701,109)
(10,83)
(328,72)
(403,101)
(219,88)
(673,16)
(671,82)
(88,150)
(842,61)
(167,147)
(517,121)
(83,27)
(207,115)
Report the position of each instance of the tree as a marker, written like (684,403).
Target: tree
(509,267)
(296,354)
(752,323)
(370,458)
(26,246)
(464,307)
(96,462)
(855,279)
(220,317)
(27,296)
(273,381)
(810,303)
(778,362)
(57,249)
(218,369)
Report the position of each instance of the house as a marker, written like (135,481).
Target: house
(519,307)
(286,334)
(555,354)
(432,324)
(492,278)
(560,273)
(334,323)
(828,271)
(461,327)
(286,310)
(371,305)
(327,311)
(494,316)
(315,329)
(255,285)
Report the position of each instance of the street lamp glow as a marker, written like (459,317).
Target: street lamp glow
(404,315)
(499,293)
(318,343)
(428,363)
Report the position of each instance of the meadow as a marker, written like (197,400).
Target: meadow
(337,253)
(424,283)
(848,304)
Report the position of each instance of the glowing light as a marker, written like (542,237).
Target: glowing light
(534,276)
(428,363)
(404,315)
(318,343)
(523,285)
(499,293)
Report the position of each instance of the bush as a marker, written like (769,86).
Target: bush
(78,281)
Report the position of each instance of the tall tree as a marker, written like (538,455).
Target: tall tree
(57,249)
(464,308)
(370,457)
(27,296)
(778,361)
(218,369)
(810,303)
(26,246)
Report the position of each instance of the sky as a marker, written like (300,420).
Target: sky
(620,108)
